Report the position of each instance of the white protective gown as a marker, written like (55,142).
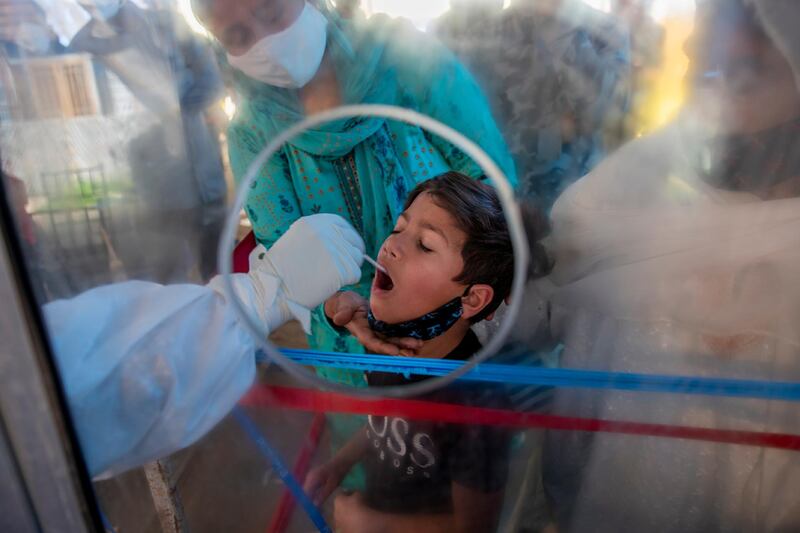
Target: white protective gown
(657,272)
(148,369)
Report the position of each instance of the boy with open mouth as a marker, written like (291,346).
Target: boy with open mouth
(447,265)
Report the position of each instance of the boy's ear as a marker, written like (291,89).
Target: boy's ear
(478,297)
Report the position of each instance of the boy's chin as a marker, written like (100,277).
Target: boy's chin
(381,311)
(378,311)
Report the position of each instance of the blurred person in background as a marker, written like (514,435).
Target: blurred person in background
(556,73)
(647,38)
(678,255)
(175,163)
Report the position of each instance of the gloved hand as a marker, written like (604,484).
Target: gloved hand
(316,257)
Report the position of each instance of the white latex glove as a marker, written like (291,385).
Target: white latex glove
(317,256)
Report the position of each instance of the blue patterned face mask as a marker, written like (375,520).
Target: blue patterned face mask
(426,327)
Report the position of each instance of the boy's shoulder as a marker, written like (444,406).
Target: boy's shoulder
(469,393)
(469,346)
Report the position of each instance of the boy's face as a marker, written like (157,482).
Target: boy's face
(422,256)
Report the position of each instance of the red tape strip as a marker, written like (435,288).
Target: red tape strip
(327,402)
(283,515)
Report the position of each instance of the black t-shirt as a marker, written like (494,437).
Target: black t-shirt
(410,464)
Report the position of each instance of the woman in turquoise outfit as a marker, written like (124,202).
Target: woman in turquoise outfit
(361,168)
(291,59)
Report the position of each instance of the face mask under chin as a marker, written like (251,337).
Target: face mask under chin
(427,327)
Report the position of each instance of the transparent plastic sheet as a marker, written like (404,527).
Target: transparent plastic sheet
(505,193)
(647,284)
(111,165)
(547,482)
(130,161)
(671,271)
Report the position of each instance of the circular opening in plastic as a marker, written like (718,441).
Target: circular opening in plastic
(505,194)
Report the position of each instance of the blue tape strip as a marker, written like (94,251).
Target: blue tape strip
(280,468)
(106,524)
(553,377)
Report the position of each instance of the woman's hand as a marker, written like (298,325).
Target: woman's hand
(349,310)
(323,480)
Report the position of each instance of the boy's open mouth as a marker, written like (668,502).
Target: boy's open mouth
(383,281)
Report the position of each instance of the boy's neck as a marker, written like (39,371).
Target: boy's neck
(439,347)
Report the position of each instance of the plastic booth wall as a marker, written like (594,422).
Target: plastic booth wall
(643,373)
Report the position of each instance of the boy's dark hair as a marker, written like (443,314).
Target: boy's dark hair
(487,253)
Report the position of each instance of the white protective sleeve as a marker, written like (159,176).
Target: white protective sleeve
(149,369)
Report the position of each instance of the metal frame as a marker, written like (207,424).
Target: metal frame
(16,513)
(39,457)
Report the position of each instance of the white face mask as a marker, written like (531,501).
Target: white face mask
(290,58)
